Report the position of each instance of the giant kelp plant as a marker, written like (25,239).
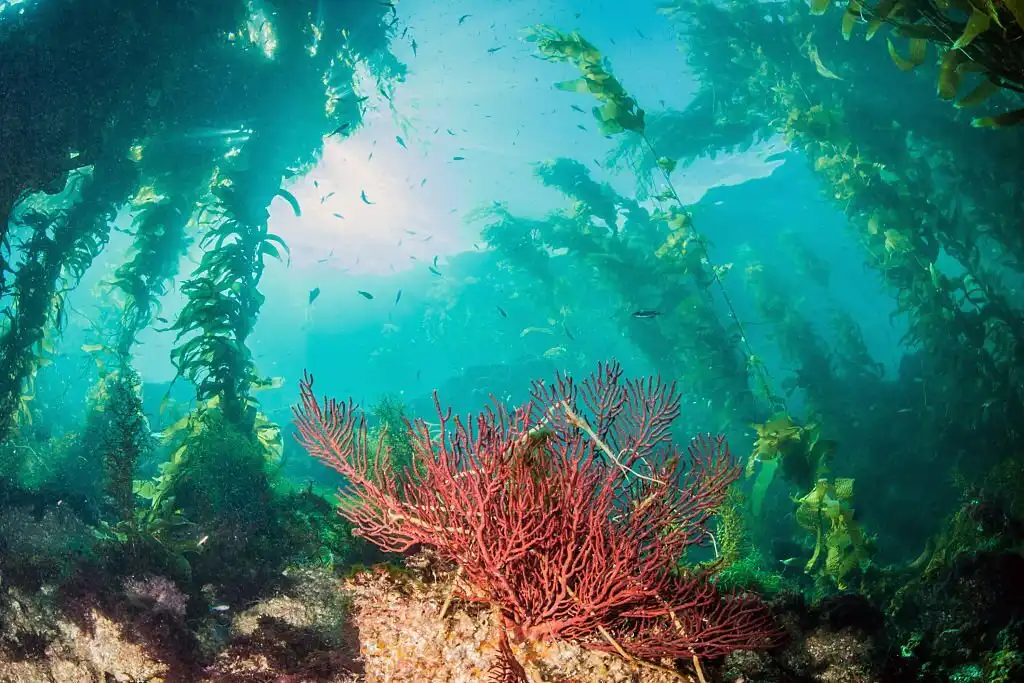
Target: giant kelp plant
(620,240)
(181,120)
(951,266)
(971,37)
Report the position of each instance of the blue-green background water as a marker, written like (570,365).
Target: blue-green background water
(506,117)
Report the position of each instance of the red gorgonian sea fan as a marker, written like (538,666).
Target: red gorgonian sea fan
(570,514)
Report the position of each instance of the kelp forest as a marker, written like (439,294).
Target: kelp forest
(719,470)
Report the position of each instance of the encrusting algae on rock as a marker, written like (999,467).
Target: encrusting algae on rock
(404,638)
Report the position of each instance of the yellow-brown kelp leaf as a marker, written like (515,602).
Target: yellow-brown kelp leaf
(977,24)
(844,488)
(774,436)
(1005,120)
(901,64)
(949,75)
(1016,8)
(819,7)
(619,111)
(666,164)
(897,242)
(576,85)
(918,49)
(879,15)
(970,67)
(985,90)
(874,225)
(812,52)
(853,12)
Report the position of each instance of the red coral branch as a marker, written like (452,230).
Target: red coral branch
(567,519)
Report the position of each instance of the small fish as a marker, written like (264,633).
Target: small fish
(316,184)
(339,130)
(581,126)
(326,197)
(365,200)
(567,332)
(458,158)
(531,330)
(463,18)
(220,608)
(410,232)
(501,312)
(398,297)
(338,215)
(203,540)
(400,141)
(492,50)
(415,47)
(428,238)
(313,294)
(423,182)
(450,131)
(365,295)
(640,315)
(435,262)
(434,270)
(579,109)
(641,34)
(161,320)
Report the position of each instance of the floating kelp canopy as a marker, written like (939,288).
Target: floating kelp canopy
(971,37)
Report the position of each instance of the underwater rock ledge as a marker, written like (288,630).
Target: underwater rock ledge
(404,639)
(377,624)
